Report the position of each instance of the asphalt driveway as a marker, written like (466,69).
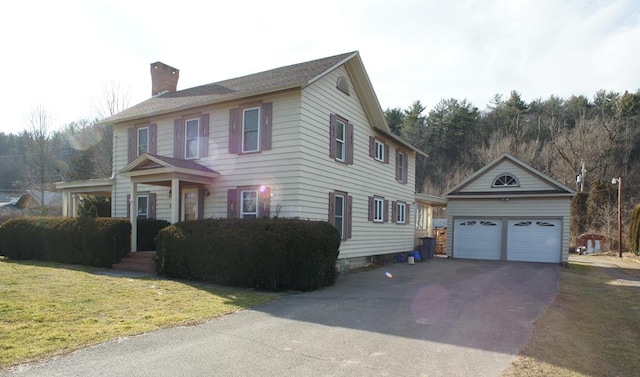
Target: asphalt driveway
(440,318)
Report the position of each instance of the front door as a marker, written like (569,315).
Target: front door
(189,204)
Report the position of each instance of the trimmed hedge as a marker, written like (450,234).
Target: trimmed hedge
(148,230)
(272,254)
(87,241)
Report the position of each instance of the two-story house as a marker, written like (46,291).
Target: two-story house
(308,140)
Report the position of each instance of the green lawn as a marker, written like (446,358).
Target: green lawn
(593,326)
(49,308)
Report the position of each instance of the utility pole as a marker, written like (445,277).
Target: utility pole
(580,177)
(618,181)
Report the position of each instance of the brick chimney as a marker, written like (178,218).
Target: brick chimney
(163,78)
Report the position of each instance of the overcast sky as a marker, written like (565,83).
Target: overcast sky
(61,54)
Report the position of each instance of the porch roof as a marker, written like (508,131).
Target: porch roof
(160,170)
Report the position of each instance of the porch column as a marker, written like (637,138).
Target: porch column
(175,201)
(65,203)
(133,215)
(74,205)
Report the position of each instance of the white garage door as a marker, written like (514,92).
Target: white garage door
(477,239)
(534,240)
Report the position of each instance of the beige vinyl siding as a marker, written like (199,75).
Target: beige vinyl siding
(320,174)
(542,208)
(527,180)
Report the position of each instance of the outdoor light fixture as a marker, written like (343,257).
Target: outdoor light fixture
(618,181)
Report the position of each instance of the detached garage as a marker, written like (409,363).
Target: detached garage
(509,211)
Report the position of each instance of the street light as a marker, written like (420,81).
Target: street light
(618,181)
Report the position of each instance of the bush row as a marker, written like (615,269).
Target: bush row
(148,230)
(87,241)
(273,254)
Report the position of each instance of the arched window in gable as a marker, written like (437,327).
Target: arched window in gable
(506,180)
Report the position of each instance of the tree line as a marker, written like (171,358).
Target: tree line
(554,135)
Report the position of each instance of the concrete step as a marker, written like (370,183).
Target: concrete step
(137,261)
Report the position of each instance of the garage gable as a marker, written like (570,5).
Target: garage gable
(505,177)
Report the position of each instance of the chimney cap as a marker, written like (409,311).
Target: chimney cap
(164,66)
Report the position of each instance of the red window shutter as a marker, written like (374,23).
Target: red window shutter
(132,144)
(178,138)
(371,208)
(152,205)
(332,208)
(265,203)
(394,212)
(407,217)
(204,136)
(233,208)
(153,138)
(128,205)
(349,222)
(405,176)
(266,125)
(349,146)
(386,153)
(372,147)
(385,211)
(332,136)
(234,130)
(398,177)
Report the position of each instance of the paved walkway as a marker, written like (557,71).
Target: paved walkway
(440,318)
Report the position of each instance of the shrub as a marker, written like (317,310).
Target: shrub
(87,241)
(634,230)
(273,254)
(147,232)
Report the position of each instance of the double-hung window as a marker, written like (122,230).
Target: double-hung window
(379,151)
(143,140)
(341,129)
(378,210)
(191,141)
(251,129)
(401,213)
(402,167)
(340,213)
(248,204)
(338,218)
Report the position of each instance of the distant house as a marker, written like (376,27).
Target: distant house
(28,204)
(308,140)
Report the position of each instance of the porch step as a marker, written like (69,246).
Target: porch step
(137,261)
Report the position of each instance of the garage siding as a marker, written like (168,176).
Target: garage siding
(528,181)
(514,208)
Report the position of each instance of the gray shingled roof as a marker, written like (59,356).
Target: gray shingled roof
(263,82)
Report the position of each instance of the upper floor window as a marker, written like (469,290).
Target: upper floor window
(402,167)
(506,180)
(143,140)
(191,139)
(340,139)
(250,129)
(379,150)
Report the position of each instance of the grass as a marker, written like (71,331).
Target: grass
(593,326)
(48,308)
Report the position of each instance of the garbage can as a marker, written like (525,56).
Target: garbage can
(429,246)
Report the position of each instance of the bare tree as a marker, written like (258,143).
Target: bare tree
(113,98)
(39,150)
